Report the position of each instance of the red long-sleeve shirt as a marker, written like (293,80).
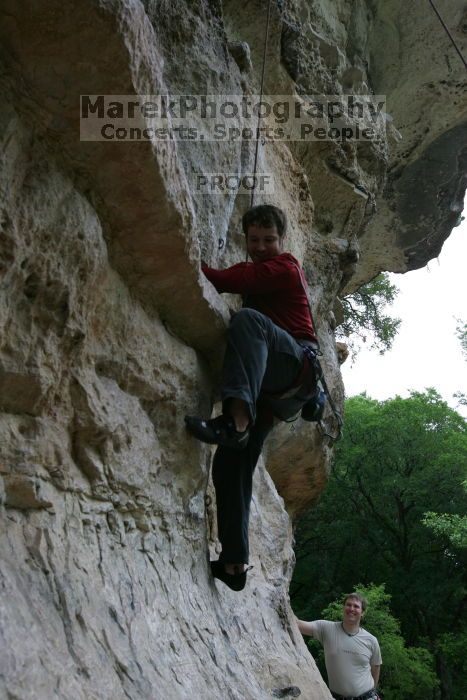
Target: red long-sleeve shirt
(274,287)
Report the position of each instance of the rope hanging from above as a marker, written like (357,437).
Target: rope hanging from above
(266,36)
(443,24)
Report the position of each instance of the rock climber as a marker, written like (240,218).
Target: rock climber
(263,359)
(351,654)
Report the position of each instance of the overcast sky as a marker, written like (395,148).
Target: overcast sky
(426,351)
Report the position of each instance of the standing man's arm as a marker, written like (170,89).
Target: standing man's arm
(375,673)
(306,627)
(375,662)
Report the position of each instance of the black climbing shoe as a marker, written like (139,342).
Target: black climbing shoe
(217,431)
(236,582)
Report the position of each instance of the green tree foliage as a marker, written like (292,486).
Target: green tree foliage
(398,460)
(407,672)
(461,332)
(365,319)
(452,526)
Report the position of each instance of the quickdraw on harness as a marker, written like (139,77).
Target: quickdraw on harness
(313,409)
(311,378)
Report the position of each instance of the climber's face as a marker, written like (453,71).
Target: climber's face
(263,243)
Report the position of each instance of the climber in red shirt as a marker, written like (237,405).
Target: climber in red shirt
(264,357)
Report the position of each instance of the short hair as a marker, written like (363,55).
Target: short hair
(357,596)
(266,215)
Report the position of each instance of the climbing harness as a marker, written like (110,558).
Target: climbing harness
(445,27)
(313,410)
(311,379)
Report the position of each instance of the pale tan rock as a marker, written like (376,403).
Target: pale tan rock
(23,492)
(342,352)
(21,392)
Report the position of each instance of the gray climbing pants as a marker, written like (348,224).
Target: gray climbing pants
(261,359)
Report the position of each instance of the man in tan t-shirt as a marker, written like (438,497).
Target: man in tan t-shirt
(351,654)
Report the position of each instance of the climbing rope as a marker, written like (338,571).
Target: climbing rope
(443,24)
(266,35)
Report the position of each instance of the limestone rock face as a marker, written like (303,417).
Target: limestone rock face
(109,333)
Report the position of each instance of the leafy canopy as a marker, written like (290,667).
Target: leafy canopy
(365,317)
(461,332)
(398,461)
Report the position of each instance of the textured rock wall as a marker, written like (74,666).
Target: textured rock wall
(109,334)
